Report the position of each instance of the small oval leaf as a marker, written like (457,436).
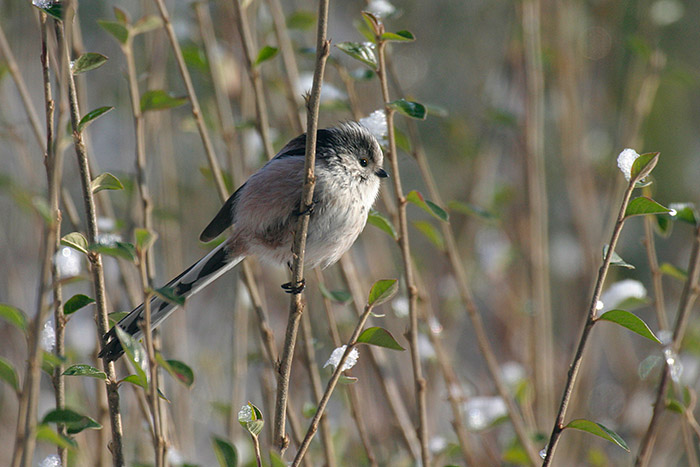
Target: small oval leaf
(470,210)
(382,291)
(14,316)
(643,165)
(88,61)
(144,238)
(75,422)
(146,24)
(378,220)
(8,374)
(265,54)
(598,430)
(54,9)
(398,36)
(431,233)
(75,240)
(181,372)
(123,250)
(362,51)
(379,337)
(631,322)
(409,108)
(160,100)
(301,19)
(91,116)
(47,434)
(673,271)
(416,197)
(106,181)
(225,452)
(118,30)
(616,260)
(76,302)
(338,296)
(136,355)
(85,370)
(643,205)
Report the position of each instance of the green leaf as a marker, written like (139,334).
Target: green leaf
(75,240)
(251,419)
(14,316)
(631,322)
(686,212)
(91,116)
(41,206)
(643,205)
(379,337)
(382,291)
(648,364)
(116,316)
(123,250)
(118,30)
(470,210)
(75,422)
(673,271)
(53,8)
(675,405)
(378,220)
(144,238)
(616,260)
(339,296)
(106,181)
(168,294)
(88,61)
(85,370)
(47,434)
(598,430)
(362,51)
(160,100)
(431,233)
(135,380)
(121,15)
(428,206)
(265,54)
(409,108)
(225,452)
(180,371)
(398,36)
(8,374)
(302,20)
(50,361)
(136,355)
(77,302)
(146,24)
(643,165)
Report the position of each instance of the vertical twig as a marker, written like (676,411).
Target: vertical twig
(54,169)
(685,305)
(419,381)
(94,258)
(588,326)
(538,224)
(299,245)
(262,122)
(466,296)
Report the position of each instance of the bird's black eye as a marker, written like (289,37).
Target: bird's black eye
(363,162)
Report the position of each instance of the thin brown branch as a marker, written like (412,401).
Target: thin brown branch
(685,305)
(94,258)
(262,121)
(403,241)
(588,326)
(299,245)
(538,219)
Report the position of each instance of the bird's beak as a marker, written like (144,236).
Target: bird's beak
(381,173)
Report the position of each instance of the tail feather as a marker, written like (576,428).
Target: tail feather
(188,283)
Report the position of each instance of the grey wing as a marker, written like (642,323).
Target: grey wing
(223,219)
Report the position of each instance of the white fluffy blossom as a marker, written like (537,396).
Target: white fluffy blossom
(337,354)
(48,337)
(51,460)
(68,262)
(625,161)
(376,124)
(381,8)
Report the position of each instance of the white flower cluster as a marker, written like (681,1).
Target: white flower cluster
(337,354)
(625,161)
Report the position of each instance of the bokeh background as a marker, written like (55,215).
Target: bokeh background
(615,75)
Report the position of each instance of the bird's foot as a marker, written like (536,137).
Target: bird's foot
(295,289)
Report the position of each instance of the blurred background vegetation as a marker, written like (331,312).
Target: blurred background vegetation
(615,75)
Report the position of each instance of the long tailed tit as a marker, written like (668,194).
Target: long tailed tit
(263,213)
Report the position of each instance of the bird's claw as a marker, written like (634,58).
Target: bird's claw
(295,289)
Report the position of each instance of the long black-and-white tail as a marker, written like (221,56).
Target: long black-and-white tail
(188,283)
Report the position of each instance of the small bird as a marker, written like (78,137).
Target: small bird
(262,215)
